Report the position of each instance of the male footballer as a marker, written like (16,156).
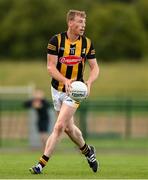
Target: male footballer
(62,49)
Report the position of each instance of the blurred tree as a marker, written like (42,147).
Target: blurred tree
(118,1)
(27,23)
(117,32)
(142,9)
(116,28)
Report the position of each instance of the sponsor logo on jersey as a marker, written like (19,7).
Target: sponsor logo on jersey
(70,60)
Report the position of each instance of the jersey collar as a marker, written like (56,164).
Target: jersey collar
(68,38)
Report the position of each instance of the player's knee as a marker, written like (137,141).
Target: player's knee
(73,131)
(59,128)
(69,130)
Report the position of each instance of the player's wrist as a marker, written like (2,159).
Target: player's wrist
(89,83)
(64,81)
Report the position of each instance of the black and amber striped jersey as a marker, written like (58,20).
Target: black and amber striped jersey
(71,57)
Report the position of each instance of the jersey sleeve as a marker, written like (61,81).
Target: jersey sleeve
(91,52)
(52,47)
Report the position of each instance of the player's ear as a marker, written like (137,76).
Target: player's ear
(70,22)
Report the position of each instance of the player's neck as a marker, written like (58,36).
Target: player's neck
(71,36)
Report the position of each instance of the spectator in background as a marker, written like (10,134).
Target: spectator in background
(41,106)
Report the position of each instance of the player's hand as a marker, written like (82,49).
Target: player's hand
(88,87)
(67,84)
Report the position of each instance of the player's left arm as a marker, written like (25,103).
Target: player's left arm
(94,72)
(94,68)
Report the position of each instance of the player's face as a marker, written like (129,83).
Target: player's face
(78,25)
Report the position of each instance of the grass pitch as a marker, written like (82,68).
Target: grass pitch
(119,159)
(122,79)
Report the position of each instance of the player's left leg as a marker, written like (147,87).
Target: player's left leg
(89,151)
(74,133)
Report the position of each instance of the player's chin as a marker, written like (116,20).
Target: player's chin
(81,33)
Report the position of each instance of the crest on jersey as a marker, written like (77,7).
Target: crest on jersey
(70,60)
(84,51)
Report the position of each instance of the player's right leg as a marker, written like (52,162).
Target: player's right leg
(64,116)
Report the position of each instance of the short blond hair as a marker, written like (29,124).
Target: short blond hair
(72,13)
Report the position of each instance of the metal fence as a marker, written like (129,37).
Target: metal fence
(114,118)
(103,118)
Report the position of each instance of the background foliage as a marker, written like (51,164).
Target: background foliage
(119,29)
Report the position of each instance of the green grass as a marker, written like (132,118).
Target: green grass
(72,165)
(119,158)
(122,79)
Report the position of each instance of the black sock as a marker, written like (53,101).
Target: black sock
(43,160)
(85,149)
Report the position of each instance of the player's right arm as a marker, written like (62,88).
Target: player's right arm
(52,70)
(52,59)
